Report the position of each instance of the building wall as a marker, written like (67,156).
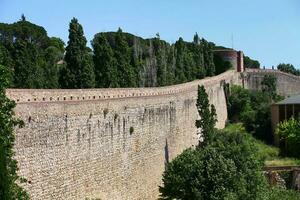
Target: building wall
(107,143)
(287,84)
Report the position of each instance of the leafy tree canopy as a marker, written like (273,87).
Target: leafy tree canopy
(288,68)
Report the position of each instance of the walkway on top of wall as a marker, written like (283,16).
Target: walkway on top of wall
(61,95)
(272,71)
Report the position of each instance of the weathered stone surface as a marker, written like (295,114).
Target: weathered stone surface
(107,143)
(287,84)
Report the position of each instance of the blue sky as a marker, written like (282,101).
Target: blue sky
(267,30)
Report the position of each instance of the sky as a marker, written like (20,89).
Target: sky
(266,30)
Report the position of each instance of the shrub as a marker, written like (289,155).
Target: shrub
(230,167)
(288,132)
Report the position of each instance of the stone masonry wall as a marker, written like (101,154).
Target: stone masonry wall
(287,84)
(107,143)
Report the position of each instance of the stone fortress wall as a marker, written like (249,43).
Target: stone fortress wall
(107,143)
(287,84)
(114,143)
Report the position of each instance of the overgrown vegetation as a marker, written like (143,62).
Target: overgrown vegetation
(252,108)
(118,59)
(228,165)
(30,55)
(288,132)
(9,188)
(249,63)
(288,68)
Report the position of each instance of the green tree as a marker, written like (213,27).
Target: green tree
(106,74)
(127,77)
(29,54)
(208,56)
(160,55)
(288,132)
(9,188)
(288,68)
(230,167)
(197,50)
(252,108)
(208,118)
(180,74)
(28,70)
(250,63)
(204,174)
(79,71)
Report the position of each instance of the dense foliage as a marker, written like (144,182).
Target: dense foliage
(9,189)
(229,167)
(288,132)
(288,68)
(252,108)
(136,62)
(30,54)
(79,70)
(117,59)
(249,63)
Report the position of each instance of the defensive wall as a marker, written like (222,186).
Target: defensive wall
(287,84)
(107,143)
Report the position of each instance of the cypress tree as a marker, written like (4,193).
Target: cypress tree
(79,71)
(160,55)
(199,72)
(127,77)
(179,70)
(208,117)
(106,74)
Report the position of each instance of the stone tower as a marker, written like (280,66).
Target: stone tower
(236,58)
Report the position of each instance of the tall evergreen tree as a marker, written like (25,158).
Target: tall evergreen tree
(28,65)
(208,118)
(161,61)
(79,71)
(106,74)
(179,70)
(208,56)
(127,77)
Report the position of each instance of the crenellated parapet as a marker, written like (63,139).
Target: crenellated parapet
(74,95)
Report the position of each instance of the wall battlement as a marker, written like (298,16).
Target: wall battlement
(65,95)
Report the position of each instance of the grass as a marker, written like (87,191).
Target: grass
(270,152)
(283,162)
